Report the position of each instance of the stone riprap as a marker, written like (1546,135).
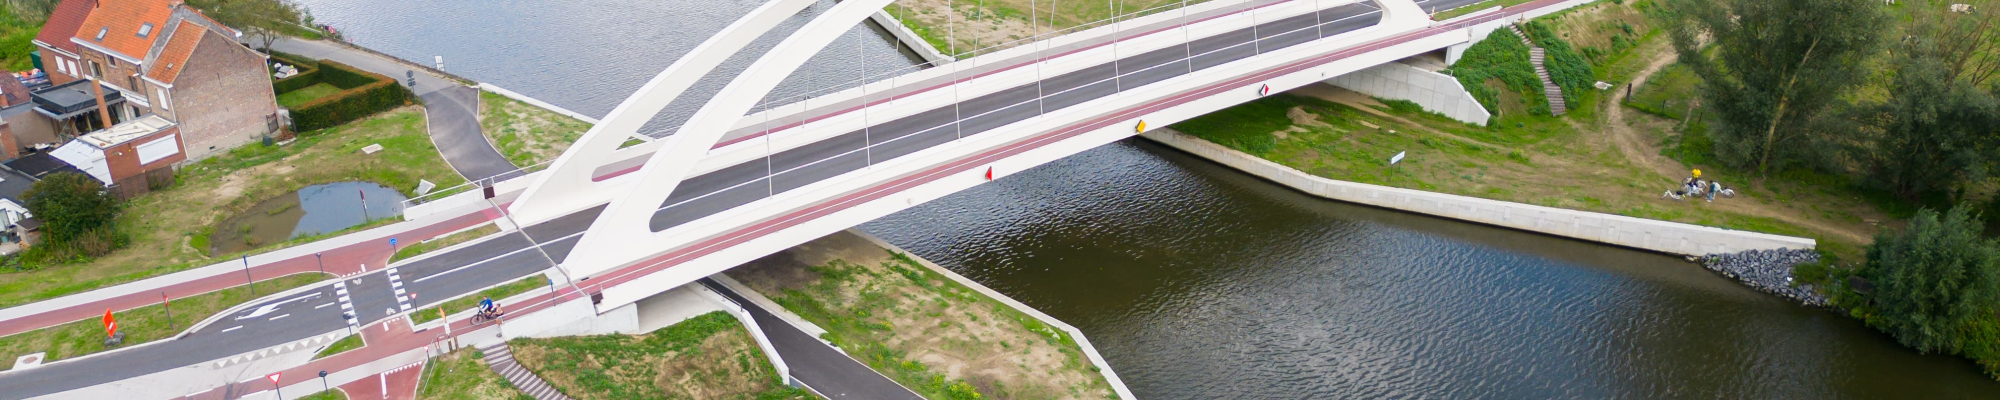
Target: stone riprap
(1769,271)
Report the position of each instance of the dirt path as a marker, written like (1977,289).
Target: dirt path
(1628,141)
(1643,153)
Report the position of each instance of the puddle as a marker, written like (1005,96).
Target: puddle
(310,211)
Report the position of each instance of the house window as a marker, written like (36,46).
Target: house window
(101,32)
(165,102)
(145,28)
(63,65)
(96,70)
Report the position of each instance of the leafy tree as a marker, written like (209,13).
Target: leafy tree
(1933,280)
(263,20)
(1934,129)
(71,205)
(1776,64)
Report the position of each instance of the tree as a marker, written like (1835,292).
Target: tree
(1936,127)
(1933,279)
(263,20)
(71,205)
(1776,65)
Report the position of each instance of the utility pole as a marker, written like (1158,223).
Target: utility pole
(322,262)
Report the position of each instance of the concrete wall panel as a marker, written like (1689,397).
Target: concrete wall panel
(1436,92)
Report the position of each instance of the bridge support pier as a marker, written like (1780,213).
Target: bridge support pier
(1434,91)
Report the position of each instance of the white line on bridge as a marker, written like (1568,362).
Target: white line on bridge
(511,253)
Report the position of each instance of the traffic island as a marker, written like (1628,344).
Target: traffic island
(921,328)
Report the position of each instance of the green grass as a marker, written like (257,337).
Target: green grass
(296,97)
(470,301)
(350,342)
(1503,60)
(1469,8)
(420,248)
(326,395)
(140,325)
(1668,93)
(524,133)
(641,366)
(861,326)
(461,375)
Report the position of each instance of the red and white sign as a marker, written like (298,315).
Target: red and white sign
(989,173)
(273,377)
(110,325)
(1264,91)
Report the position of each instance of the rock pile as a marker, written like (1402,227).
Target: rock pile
(1769,271)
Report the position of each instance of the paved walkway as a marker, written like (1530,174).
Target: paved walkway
(824,369)
(454,126)
(453,108)
(342,256)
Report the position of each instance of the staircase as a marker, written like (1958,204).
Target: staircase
(1549,89)
(501,360)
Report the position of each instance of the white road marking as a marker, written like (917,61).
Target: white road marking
(268,308)
(474,264)
(323,305)
(233,328)
(277,317)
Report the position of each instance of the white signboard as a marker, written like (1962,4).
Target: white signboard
(1397,158)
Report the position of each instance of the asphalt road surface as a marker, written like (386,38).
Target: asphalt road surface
(733,186)
(828,371)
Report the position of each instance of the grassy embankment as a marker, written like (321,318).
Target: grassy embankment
(1469,8)
(463,375)
(524,133)
(1002,21)
(140,325)
(920,328)
(709,356)
(1595,158)
(447,241)
(467,302)
(17,38)
(169,229)
(350,342)
(326,395)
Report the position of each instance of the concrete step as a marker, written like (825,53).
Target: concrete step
(500,358)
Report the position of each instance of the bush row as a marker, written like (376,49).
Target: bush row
(1569,70)
(363,94)
(308,73)
(1501,56)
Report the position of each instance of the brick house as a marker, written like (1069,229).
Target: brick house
(162,58)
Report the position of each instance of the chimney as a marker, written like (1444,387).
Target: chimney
(104,113)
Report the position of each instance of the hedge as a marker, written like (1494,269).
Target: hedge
(364,94)
(308,73)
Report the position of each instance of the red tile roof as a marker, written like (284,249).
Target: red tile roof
(63,23)
(120,20)
(175,56)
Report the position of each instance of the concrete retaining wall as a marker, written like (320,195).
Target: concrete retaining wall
(1437,92)
(1638,233)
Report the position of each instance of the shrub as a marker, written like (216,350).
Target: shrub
(1569,70)
(1501,56)
(71,205)
(365,94)
(308,73)
(1933,280)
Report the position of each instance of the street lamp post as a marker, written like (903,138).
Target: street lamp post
(322,263)
(322,382)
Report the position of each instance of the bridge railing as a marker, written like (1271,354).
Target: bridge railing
(476,184)
(784,172)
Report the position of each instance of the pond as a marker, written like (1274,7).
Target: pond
(310,211)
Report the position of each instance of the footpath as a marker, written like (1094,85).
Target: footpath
(451,107)
(341,256)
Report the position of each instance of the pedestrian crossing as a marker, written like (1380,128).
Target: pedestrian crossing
(402,297)
(347,306)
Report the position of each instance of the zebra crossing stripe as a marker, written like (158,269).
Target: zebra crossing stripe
(402,297)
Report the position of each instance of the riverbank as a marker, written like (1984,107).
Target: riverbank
(921,327)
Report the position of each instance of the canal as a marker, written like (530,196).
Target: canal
(1198,282)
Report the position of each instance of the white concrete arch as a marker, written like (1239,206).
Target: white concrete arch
(567,185)
(622,233)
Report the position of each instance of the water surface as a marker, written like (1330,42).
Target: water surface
(310,211)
